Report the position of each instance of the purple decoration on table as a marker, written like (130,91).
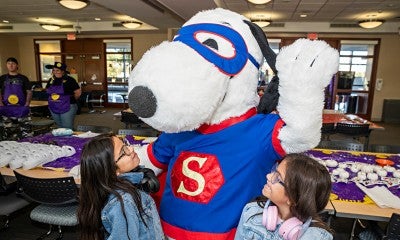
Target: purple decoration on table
(66,163)
(132,141)
(350,191)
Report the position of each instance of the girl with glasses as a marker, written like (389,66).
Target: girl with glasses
(111,206)
(297,190)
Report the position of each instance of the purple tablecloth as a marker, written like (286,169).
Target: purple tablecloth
(66,163)
(349,191)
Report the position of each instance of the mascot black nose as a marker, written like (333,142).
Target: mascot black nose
(142,102)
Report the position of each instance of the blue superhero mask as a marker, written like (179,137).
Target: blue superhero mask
(207,38)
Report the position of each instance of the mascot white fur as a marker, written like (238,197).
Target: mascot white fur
(200,90)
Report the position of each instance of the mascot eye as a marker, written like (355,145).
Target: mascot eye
(211,43)
(217,43)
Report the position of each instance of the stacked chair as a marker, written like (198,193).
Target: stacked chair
(353,137)
(359,132)
(341,145)
(94,128)
(384,148)
(326,130)
(145,132)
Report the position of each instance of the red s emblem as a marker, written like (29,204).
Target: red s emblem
(196,177)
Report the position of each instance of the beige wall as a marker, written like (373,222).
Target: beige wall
(389,71)
(143,42)
(388,65)
(9,47)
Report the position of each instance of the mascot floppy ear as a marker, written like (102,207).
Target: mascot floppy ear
(269,100)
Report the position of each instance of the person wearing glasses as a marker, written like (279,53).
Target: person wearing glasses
(297,190)
(111,206)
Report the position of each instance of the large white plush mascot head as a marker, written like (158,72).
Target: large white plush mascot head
(207,74)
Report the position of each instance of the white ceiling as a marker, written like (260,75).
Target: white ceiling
(24,16)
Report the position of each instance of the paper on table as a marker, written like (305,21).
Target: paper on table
(381,196)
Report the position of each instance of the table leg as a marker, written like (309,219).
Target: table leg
(353,229)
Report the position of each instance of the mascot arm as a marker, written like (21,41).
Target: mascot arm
(145,158)
(305,68)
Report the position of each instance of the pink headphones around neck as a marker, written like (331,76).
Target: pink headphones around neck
(291,229)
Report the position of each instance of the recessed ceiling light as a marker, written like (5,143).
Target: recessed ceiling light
(50,27)
(6,21)
(131,24)
(74,4)
(97,19)
(261,22)
(259,1)
(303,15)
(370,23)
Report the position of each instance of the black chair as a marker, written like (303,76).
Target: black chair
(341,145)
(131,120)
(393,228)
(326,130)
(9,201)
(57,198)
(145,132)
(384,148)
(359,132)
(94,128)
(96,99)
(42,126)
(376,231)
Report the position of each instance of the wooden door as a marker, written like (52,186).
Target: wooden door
(86,58)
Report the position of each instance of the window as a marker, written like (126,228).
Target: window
(265,73)
(119,66)
(357,57)
(356,62)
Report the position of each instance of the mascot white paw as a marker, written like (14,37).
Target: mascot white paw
(200,90)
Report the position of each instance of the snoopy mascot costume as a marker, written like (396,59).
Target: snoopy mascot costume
(200,91)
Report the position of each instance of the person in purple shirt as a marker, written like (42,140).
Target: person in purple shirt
(63,92)
(15,91)
(15,97)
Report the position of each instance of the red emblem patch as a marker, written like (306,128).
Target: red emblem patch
(196,177)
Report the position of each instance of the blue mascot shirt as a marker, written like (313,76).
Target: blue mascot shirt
(211,176)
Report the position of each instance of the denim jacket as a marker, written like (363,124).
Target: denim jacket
(114,222)
(251,227)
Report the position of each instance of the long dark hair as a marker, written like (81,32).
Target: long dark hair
(308,187)
(98,181)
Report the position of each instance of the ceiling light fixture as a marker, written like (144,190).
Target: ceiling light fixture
(370,23)
(74,4)
(50,27)
(131,24)
(261,22)
(259,1)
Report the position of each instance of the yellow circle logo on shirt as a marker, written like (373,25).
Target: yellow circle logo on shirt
(55,96)
(13,99)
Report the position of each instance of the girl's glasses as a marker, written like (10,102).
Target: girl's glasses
(126,150)
(275,176)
